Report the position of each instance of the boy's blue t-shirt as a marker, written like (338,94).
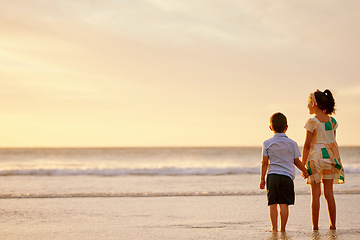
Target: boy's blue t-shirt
(281,151)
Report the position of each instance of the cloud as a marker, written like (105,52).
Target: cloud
(174,66)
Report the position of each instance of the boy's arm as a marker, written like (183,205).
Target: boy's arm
(264,168)
(301,166)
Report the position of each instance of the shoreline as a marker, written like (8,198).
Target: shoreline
(198,217)
(149,195)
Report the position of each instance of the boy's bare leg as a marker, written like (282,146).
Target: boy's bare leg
(330,199)
(273,216)
(315,204)
(284,214)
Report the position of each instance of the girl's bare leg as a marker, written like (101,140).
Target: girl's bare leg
(284,214)
(330,199)
(273,216)
(315,204)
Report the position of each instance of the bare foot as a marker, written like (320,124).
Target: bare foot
(332,227)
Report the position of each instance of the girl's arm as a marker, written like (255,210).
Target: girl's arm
(264,168)
(307,144)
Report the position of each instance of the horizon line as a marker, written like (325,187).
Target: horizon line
(149,146)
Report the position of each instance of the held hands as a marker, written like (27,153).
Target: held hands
(305,175)
(262,184)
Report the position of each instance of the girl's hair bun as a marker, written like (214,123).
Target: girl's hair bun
(325,101)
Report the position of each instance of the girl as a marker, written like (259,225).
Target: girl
(321,154)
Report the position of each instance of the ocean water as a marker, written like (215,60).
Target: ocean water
(145,172)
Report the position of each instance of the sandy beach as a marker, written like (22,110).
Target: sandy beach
(182,193)
(218,217)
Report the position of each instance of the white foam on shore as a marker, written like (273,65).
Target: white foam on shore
(163,171)
(151,194)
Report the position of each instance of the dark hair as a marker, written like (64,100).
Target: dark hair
(325,101)
(278,122)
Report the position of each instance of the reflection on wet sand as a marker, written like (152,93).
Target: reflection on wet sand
(314,235)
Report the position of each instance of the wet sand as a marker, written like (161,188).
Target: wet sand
(213,217)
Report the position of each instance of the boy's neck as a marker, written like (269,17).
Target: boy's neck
(280,132)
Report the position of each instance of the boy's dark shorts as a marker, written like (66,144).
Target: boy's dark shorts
(280,189)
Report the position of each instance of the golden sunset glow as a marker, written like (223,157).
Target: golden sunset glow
(172,73)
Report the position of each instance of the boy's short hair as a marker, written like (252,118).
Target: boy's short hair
(278,122)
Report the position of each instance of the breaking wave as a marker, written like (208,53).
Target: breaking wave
(164,171)
(170,171)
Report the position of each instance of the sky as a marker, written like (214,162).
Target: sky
(119,73)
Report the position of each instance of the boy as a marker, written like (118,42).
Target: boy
(280,153)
